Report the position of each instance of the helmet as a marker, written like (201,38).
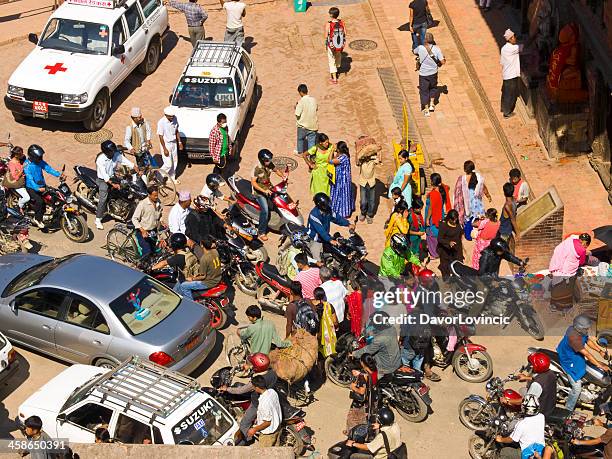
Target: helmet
(426,277)
(213,181)
(264,155)
(582,323)
(530,405)
(539,361)
(260,362)
(35,152)
(498,244)
(108,147)
(178,241)
(201,203)
(322,202)
(386,416)
(399,244)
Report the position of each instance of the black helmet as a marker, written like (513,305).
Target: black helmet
(213,181)
(108,147)
(178,241)
(498,244)
(386,416)
(35,152)
(322,202)
(264,155)
(399,243)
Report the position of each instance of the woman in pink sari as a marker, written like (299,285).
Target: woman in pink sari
(567,258)
(487,230)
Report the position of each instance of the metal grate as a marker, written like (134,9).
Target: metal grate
(93,137)
(42,96)
(363,45)
(145,385)
(214,54)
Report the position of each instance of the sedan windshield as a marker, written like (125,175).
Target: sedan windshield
(145,305)
(75,36)
(34,275)
(204,92)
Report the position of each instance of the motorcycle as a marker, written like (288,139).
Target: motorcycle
(505,297)
(595,382)
(475,411)
(274,289)
(346,259)
(560,438)
(282,210)
(14,233)
(471,361)
(241,227)
(61,211)
(482,444)
(214,299)
(237,267)
(121,202)
(294,432)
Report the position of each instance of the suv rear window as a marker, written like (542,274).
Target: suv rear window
(145,305)
(205,92)
(204,426)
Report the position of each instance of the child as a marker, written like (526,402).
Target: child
(416,228)
(507,222)
(334,47)
(521,189)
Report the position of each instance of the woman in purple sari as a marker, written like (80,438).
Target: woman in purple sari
(342,200)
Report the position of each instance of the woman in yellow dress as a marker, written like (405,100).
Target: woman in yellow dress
(398,223)
(318,158)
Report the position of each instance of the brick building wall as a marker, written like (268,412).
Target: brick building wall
(539,242)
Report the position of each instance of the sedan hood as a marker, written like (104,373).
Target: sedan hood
(14,264)
(52,396)
(196,123)
(67,73)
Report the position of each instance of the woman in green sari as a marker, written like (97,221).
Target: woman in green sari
(317,158)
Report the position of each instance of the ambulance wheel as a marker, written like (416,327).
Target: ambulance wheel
(99,112)
(151,60)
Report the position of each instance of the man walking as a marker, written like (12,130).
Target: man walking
(137,138)
(218,142)
(169,142)
(511,72)
(195,15)
(431,58)
(418,22)
(306,120)
(234,29)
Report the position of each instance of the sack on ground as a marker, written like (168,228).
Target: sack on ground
(293,363)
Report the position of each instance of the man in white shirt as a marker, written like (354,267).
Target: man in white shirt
(511,72)
(234,30)
(269,414)
(306,119)
(106,162)
(529,431)
(335,292)
(169,142)
(137,136)
(178,213)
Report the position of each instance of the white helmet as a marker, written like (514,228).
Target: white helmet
(530,405)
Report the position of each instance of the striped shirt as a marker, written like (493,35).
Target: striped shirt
(309,278)
(195,14)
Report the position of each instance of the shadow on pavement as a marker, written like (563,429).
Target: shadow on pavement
(215,353)
(15,380)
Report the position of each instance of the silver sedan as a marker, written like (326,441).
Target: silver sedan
(86,309)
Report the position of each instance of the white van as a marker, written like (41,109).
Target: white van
(86,50)
(138,402)
(218,78)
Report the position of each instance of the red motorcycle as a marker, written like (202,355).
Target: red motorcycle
(282,209)
(274,289)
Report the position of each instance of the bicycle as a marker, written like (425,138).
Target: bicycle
(122,244)
(153,175)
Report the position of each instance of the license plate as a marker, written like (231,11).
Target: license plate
(423,390)
(40,107)
(191,344)
(198,155)
(300,425)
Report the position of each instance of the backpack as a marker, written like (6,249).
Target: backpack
(337,36)
(306,317)
(192,265)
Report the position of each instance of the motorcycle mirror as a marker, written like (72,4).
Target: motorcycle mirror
(64,168)
(602,342)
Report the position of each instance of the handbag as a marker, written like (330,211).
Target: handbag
(401,452)
(430,19)
(8,182)
(331,169)
(467,229)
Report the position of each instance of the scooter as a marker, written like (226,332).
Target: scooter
(282,209)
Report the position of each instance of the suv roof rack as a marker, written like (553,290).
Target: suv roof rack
(146,385)
(214,54)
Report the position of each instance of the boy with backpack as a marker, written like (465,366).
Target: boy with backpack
(300,313)
(335,36)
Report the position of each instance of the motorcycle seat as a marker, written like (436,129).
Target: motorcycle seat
(270,271)
(558,415)
(245,188)
(88,174)
(404,378)
(215,291)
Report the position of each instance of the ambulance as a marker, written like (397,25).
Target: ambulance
(86,50)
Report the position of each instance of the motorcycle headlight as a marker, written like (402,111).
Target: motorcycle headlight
(70,199)
(74,98)
(15,90)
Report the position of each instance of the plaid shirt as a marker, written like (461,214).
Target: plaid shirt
(195,14)
(215,143)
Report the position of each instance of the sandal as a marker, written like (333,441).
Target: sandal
(434,377)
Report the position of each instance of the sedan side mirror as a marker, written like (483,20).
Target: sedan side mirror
(33,38)
(13,306)
(118,49)
(61,418)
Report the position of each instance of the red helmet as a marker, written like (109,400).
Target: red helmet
(426,277)
(260,362)
(539,361)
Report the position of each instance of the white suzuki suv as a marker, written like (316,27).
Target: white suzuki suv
(86,50)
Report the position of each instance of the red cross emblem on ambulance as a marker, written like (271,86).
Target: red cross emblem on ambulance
(58,67)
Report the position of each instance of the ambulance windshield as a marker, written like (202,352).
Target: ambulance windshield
(75,36)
